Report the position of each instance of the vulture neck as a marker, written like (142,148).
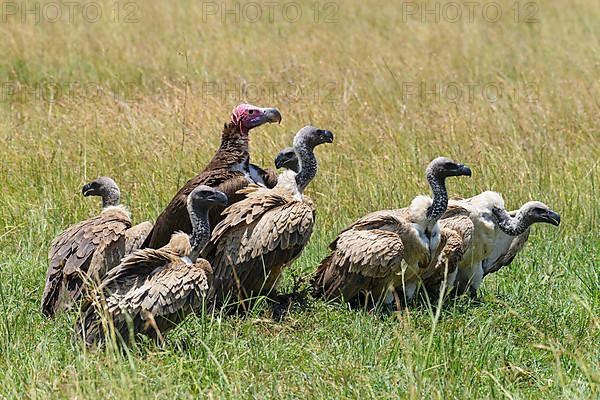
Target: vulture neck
(308,165)
(200,231)
(512,226)
(440,197)
(111,198)
(233,150)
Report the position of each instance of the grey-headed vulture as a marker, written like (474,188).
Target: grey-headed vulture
(390,249)
(267,230)
(89,249)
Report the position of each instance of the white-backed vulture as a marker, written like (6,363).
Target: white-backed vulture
(485,228)
(389,249)
(151,291)
(267,230)
(514,231)
(134,236)
(473,222)
(86,250)
(228,171)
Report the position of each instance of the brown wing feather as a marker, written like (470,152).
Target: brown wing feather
(89,248)
(365,257)
(256,239)
(175,216)
(135,236)
(161,299)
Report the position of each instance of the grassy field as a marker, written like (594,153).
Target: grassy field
(385,79)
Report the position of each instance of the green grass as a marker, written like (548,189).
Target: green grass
(537,331)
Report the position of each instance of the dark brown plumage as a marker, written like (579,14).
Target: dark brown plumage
(228,171)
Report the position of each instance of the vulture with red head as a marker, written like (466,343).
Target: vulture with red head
(391,249)
(228,171)
(90,248)
(269,228)
(152,290)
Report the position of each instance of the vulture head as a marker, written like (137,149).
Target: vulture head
(535,211)
(443,167)
(311,136)
(204,197)
(247,116)
(287,158)
(104,187)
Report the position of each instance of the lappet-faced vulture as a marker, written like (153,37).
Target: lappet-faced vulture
(228,171)
(390,249)
(89,249)
(151,291)
(266,231)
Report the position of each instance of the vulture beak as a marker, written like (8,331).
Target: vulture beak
(463,170)
(87,190)
(271,115)
(328,136)
(552,218)
(279,161)
(221,199)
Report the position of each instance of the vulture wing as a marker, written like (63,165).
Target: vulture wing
(152,307)
(135,236)
(266,177)
(256,239)
(87,249)
(163,301)
(503,256)
(175,216)
(365,257)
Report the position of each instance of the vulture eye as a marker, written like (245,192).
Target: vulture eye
(250,112)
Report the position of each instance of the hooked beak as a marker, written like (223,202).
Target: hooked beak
(279,161)
(553,218)
(328,136)
(87,190)
(464,170)
(271,115)
(221,199)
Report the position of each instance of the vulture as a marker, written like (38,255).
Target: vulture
(228,171)
(515,228)
(487,233)
(90,248)
(388,250)
(473,223)
(269,228)
(152,290)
